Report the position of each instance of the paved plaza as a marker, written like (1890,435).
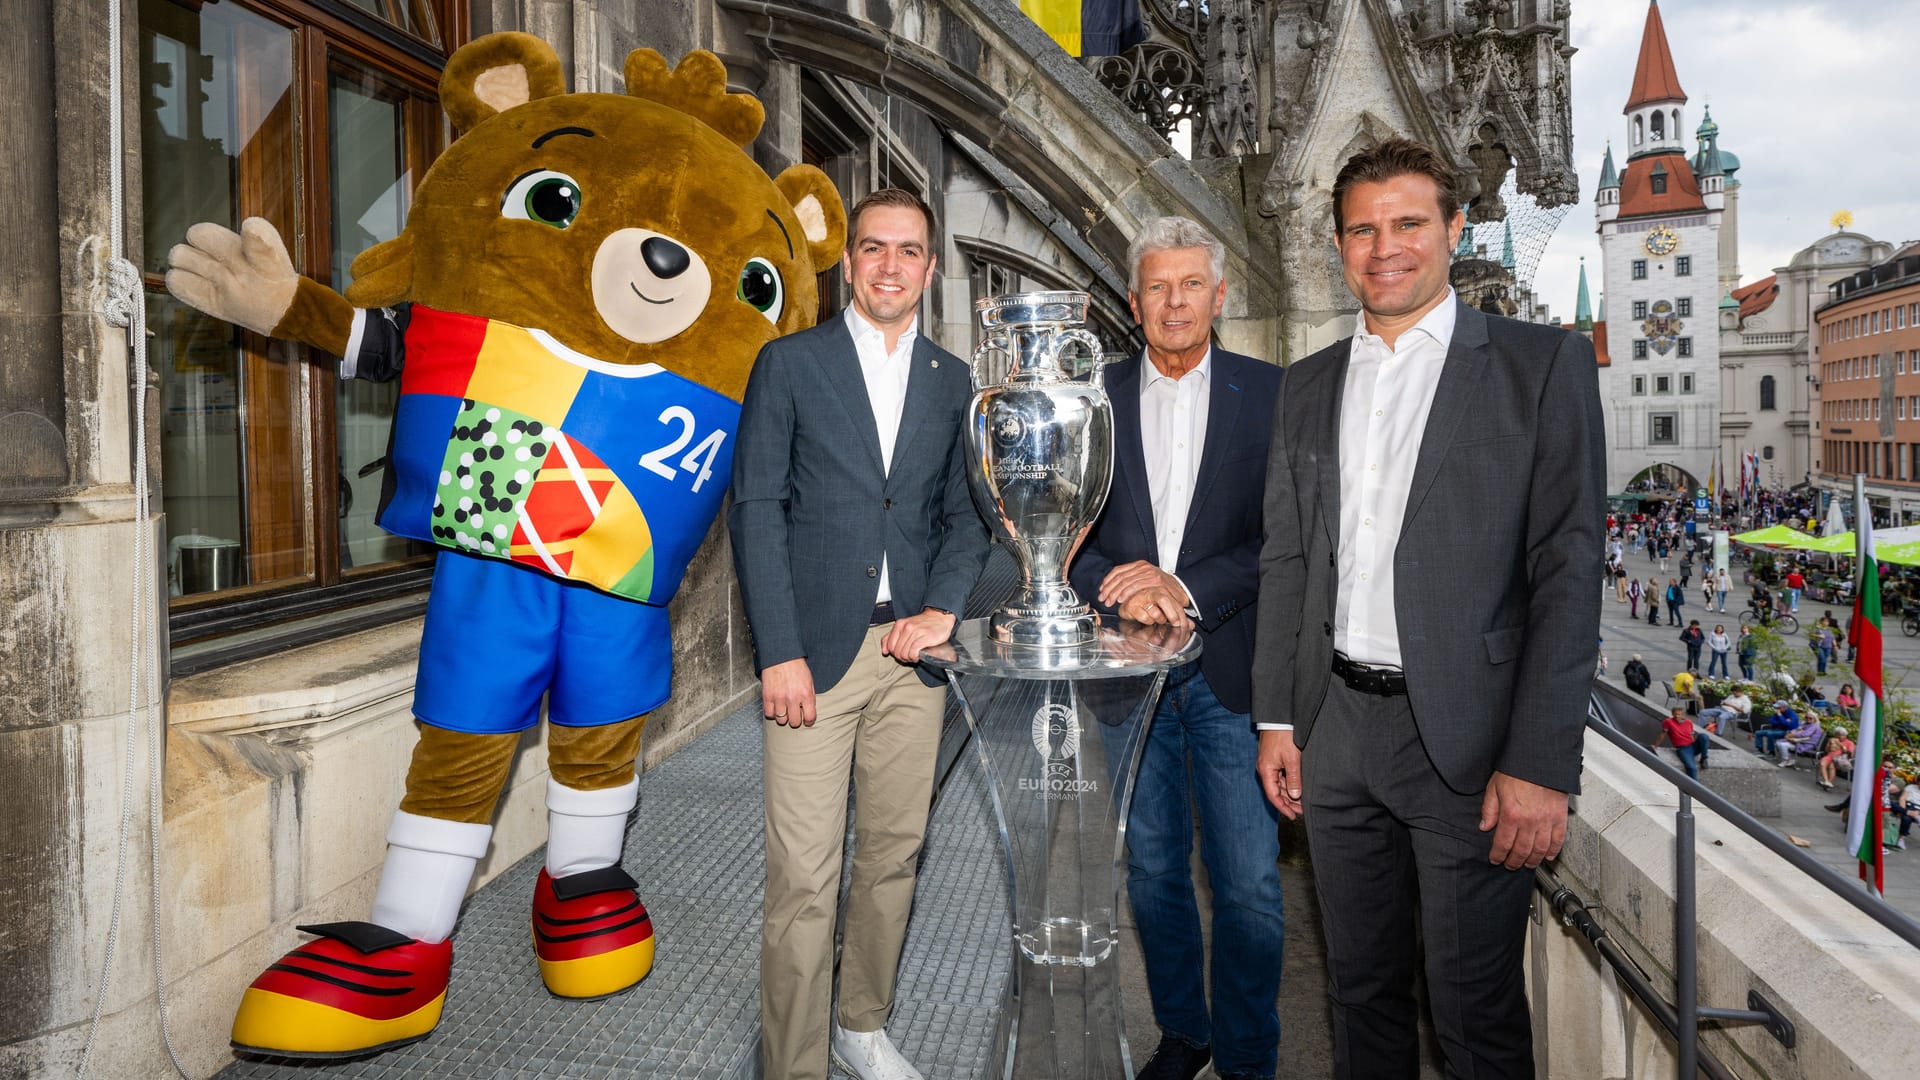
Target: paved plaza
(1803,803)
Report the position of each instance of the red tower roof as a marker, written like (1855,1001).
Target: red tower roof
(1653,77)
(1637,196)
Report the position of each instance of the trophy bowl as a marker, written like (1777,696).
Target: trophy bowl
(1040,458)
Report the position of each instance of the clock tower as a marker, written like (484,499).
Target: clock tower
(1659,223)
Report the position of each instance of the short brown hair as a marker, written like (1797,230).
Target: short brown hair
(1397,157)
(892,196)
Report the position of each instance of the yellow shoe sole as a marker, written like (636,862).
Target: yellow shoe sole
(269,1023)
(598,976)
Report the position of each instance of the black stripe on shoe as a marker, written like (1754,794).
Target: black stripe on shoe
(358,988)
(556,939)
(621,910)
(363,969)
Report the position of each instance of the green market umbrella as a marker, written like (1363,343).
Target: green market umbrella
(1775,536)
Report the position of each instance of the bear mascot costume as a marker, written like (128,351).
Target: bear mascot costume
(582,285)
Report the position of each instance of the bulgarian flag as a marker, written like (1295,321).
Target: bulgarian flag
(1863,818)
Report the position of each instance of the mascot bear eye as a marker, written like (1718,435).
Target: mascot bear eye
(760,285)
(545,196)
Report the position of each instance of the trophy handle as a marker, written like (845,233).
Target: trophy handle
(992,343)
(1059,342)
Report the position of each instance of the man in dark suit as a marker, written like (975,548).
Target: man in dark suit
(1427,617)
(855,541)
(1179,542)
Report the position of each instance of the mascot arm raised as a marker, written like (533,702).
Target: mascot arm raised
(247,278)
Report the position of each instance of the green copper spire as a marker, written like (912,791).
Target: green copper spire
(1506,247)
(1583,307)
(1608,177)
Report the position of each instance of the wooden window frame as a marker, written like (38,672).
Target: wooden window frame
(319,599)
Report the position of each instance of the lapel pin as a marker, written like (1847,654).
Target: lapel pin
(935,363)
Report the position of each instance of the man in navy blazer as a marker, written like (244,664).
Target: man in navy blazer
(1179,542)
(855,541)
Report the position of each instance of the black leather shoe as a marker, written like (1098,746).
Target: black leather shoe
(1175,1059)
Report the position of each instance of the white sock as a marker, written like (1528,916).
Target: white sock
(586,830)
(429,866)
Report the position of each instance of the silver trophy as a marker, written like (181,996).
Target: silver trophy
(1040,458)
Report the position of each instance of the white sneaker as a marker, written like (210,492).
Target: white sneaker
(870,1055)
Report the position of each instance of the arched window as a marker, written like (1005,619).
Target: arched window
(1636,131)
(1766,393)
(1659,125)
(1676,123)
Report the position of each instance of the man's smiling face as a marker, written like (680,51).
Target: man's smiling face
(889,265)
(1395,247)
(1176,300)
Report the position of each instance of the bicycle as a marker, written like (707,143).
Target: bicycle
(1782,622)
(1910,624)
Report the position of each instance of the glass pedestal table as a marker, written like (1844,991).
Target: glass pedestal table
(1059,732)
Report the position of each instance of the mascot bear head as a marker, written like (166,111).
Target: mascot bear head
(632,227)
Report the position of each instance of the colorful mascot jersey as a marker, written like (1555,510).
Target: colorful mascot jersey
(509,445)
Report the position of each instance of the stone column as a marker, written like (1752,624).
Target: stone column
(67,528)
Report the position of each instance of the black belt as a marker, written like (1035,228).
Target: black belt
(1370,678)
(882,614)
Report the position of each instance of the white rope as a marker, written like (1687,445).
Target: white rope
(123,304)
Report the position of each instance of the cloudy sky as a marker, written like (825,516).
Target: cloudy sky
(1819,98)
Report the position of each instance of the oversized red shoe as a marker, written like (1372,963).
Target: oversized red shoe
(358,989)
(591,933)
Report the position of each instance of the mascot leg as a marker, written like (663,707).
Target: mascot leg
(364,987)
(591,933)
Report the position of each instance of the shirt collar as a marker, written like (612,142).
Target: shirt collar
(859,327)
(1437,324)
(1149,374)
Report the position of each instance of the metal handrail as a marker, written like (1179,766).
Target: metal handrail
(1682,1016)
(1900,923)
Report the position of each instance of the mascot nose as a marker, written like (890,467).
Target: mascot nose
(664,257)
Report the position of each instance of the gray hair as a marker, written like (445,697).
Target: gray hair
(1172,234)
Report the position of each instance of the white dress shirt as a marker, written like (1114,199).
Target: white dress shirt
(886,378)
(1173,429)
(1383,417)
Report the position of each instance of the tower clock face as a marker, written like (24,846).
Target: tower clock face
(1662,240)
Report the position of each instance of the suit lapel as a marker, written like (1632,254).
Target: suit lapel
(922,389)
(1122,383)
(1223,412)
(1452,398)
(840,364)
(1329,440)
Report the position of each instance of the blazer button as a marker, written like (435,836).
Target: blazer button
(886,504)
(1330,560)
(1328,627)
(874,571)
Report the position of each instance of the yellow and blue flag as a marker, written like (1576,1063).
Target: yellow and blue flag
(1089,27)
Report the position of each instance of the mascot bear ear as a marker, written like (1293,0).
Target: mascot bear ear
(822,217)
(494,73)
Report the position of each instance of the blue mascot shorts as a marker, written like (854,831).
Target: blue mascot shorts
(500,635)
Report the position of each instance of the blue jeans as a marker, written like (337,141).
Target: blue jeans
(1719,659)
(1722,594)
(1746,667)
(1822,654)
(1687,759)
(1200,754)
(1793,599)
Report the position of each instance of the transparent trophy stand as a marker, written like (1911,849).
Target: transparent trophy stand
(1059,732)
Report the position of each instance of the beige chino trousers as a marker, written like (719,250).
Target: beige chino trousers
(878,727)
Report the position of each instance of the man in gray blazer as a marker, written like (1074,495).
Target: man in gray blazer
(850,505)
(1434,510)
